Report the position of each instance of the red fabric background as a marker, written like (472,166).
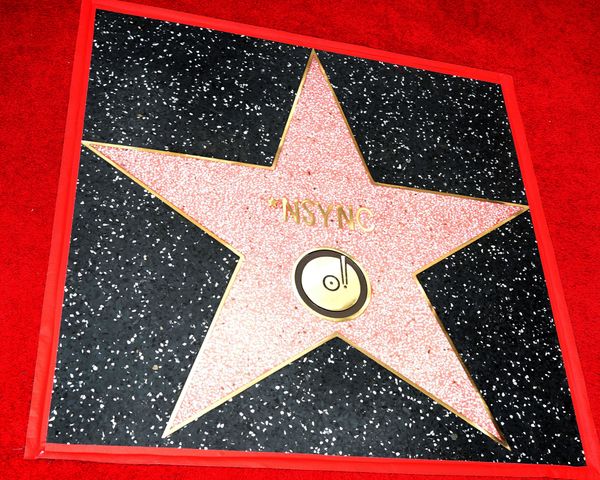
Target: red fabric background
(549,47)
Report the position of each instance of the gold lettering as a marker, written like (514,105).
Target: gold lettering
(304,211)
(349,218)
(359,221)
(309,219)
(290,209)
(325,214)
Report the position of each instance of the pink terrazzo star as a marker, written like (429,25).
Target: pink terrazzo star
(261,324)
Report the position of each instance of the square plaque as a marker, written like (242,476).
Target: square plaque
(274,250)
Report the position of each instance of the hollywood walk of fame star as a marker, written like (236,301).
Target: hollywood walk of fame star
(261,324)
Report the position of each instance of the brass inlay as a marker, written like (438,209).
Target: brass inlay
(323,280)
(331,284)
(313,57)
(312,212)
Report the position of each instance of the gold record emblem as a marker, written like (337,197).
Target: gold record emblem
(331,284)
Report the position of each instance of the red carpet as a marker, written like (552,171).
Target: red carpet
(550,50)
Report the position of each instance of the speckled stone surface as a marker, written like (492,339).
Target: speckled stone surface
(428,130)
(143,283)
(188,89)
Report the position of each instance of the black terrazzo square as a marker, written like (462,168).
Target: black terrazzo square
(143,283)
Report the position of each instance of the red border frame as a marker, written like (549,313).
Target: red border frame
(36,445)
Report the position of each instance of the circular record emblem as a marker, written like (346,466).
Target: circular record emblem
(331,284)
